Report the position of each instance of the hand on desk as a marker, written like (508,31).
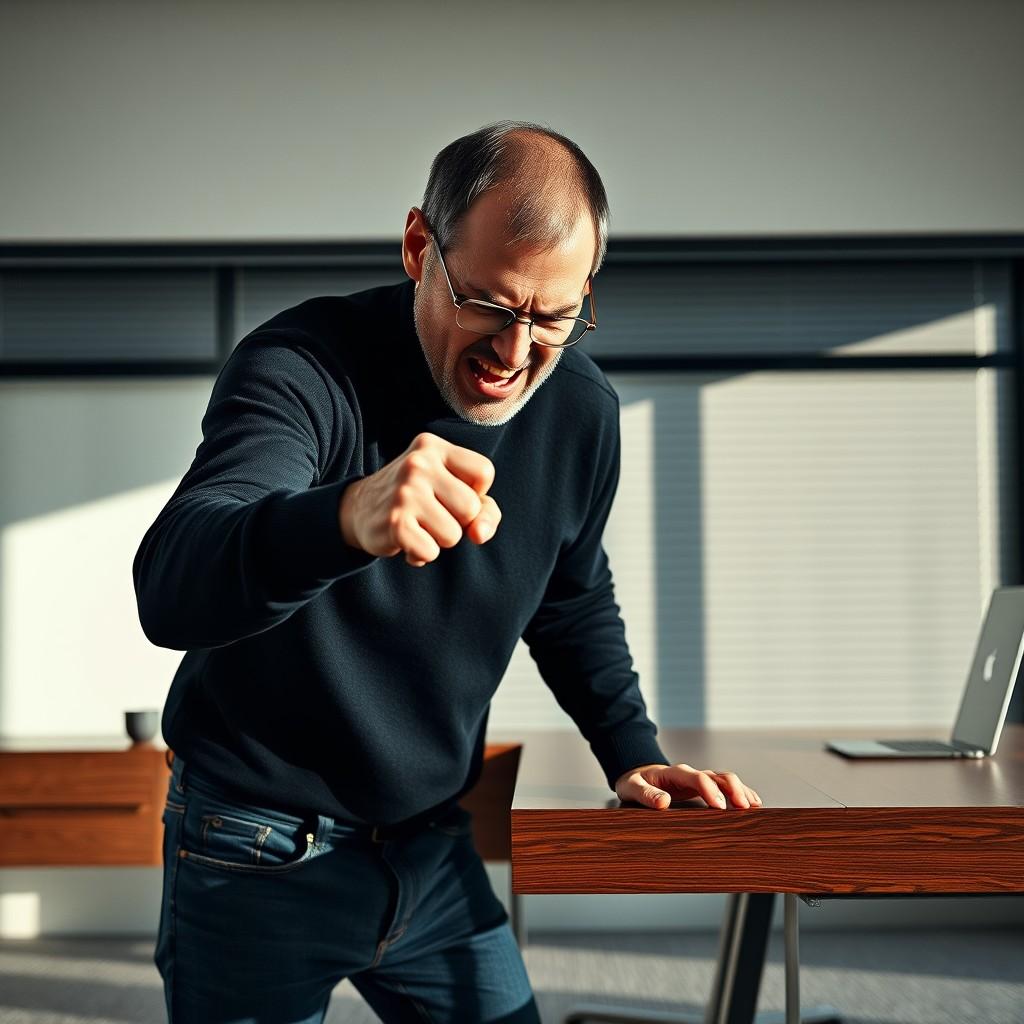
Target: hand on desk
(655,785)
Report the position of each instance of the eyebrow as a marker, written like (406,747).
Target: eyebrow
(483,293)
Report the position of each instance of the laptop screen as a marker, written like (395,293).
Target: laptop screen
(997,660)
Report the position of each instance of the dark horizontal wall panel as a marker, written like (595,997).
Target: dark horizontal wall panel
(107,315)
(629,248)
(260,293)
(649,313)
(844,307)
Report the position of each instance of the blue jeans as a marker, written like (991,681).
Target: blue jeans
(264,913)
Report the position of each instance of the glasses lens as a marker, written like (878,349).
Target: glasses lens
(475,316)
(559,332)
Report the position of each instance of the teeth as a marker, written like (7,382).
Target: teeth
(500,371)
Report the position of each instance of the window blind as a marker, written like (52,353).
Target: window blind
(107,314)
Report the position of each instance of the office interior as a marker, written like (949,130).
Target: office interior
(812,311)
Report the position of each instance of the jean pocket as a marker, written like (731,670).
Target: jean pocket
(455,822)
(223,835)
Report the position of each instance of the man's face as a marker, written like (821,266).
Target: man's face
(480,266)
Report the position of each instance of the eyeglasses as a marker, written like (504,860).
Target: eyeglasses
(488,318)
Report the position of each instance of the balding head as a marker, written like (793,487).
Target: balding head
(547,184)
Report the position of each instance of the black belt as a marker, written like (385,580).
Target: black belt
(398,829)
(384,833)
(375,833)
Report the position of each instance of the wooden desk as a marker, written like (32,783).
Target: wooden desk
(829,827)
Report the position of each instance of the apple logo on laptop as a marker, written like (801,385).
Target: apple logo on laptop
(986,672)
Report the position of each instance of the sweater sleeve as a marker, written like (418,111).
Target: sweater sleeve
(578,640)
(249,535)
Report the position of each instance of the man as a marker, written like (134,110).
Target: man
(393,487)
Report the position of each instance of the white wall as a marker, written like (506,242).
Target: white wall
(252,121)
(318,120)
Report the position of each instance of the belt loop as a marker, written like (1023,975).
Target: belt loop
(178,772)
(374,837)
(324,825)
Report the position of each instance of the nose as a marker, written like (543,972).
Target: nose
(513,344)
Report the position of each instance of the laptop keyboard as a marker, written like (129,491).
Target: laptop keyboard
(919,746)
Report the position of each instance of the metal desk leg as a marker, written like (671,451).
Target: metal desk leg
(792,929)
(741,948)
(741,951)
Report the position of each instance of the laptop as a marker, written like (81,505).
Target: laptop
(997,660)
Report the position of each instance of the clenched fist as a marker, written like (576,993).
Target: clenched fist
(421,502)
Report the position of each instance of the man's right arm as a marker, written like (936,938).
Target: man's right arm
(247,538)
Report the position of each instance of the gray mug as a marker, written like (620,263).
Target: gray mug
(142,725)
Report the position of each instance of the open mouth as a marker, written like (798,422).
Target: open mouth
(492,378)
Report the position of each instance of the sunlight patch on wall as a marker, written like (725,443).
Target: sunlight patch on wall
(841,542)
(73,656)
(19,915)
(943,334)
(630,540)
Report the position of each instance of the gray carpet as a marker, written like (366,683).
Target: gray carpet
(873,977)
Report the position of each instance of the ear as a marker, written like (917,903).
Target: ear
(414,244)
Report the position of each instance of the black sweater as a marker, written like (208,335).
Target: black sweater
(320,678)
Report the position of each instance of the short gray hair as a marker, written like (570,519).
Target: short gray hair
(546,206)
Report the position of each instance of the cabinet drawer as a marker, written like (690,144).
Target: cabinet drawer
(79,808)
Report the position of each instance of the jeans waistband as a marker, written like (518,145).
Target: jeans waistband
(378,833)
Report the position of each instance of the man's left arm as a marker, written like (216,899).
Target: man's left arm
(578,640)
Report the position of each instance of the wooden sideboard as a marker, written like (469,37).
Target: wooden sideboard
(76,808)
(104,807)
